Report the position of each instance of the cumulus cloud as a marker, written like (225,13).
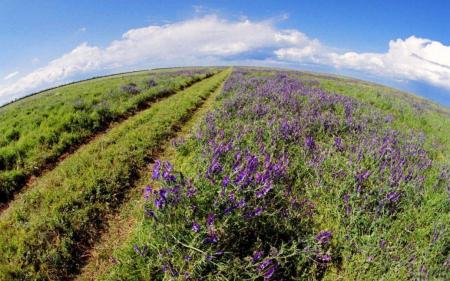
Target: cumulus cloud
(212,40)
(410,59)
(195,40)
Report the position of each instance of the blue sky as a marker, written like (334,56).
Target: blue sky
(404,44)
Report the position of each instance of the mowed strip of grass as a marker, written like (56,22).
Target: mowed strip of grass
(45,233)
(35,131)
(123,228)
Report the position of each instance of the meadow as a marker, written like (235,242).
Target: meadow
(46,230)
(248,174)
(287,181)
(37,130)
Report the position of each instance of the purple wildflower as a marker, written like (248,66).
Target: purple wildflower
(159,203)
(147,192)
(324,237)
(211,238)
(210,220)
(195,227)
(241,203)
(264,190)
(393,196)
(265,264)
(226,181)
(269,273)
(191,191)
(324,258)
(257,256)
(338,143)
(156,169)
(150,213)
(309,142)
(139,251)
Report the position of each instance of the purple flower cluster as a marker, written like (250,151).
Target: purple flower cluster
(264,159)
(130,88)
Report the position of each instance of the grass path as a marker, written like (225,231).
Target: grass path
(46,234)
(122,224)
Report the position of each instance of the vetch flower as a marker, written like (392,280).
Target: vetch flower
(324,258)
(269,273)
(142,252)
(324,237)
(195,227)
(257,256)
(156,169)
(309,142)
(147,192)
(210,220)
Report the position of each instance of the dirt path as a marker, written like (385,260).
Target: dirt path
(48,167)
(121,225)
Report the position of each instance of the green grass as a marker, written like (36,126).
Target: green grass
(127,226)
(46,231)
(36,130)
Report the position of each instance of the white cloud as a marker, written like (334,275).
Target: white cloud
(10,75)
(212,40)
(196,41)
(410,59)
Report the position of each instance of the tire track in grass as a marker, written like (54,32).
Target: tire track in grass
(122,224)
(48,231)
(52,164)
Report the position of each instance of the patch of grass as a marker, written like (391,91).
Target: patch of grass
(45,233)
(36,130)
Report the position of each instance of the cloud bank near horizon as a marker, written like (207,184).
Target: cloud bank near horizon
(213,40)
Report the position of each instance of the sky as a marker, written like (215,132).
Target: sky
(404,44)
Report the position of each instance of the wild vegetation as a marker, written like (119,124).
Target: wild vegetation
(35,131)
(289,176)
(45,233)
(287,181)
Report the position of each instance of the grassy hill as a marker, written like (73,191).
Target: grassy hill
(224,174)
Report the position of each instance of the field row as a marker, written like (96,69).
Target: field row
(37,130)
(45,233)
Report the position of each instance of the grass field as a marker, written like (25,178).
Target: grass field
(45,232)
(250,174)
(35,131)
